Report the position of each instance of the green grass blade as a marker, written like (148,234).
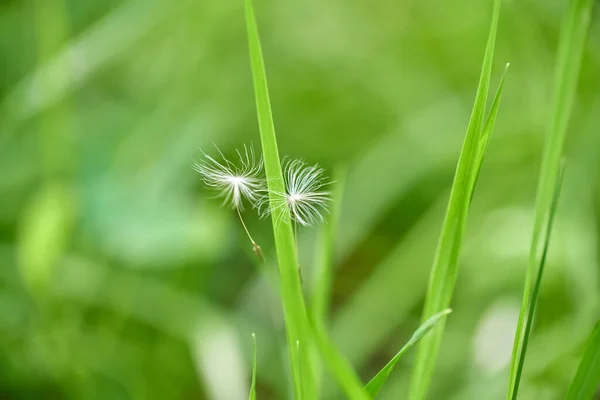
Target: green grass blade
(253,384)
(338,366)
(572,41)
(445,265)
(319,305)
(488,128)
(324,261)
(378,380)
(587,377)
(297,327)
(538,280)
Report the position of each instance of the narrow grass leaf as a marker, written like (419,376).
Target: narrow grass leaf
(538,280)
(488,128)
(378,380)
(321,292)
(253,384)
(324,260)
(297,327)
(445,266)
(587,377)
(571,46)
(338,366)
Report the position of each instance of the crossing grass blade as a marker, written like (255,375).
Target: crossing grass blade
(378,380)
(253,384)
(571,45)
(294,308)
(587,377)
(445,266)
(538,280)
(338,366)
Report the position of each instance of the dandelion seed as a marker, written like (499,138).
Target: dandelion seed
(235,183)
(304,195)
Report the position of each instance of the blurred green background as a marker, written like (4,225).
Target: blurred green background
(122,278)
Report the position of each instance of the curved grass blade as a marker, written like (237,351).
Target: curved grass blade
(296,321)
(538,280)
(587,377)
(572,41)
(378,380)
(338,366)
(445,265)
(253,384)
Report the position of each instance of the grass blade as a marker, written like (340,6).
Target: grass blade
(587,377)
(319,306)
(338,366)
(253,384)
(538,280)
(297,327)
(488,128)
(445,265)
(378,380)
(568,63)
(324,260)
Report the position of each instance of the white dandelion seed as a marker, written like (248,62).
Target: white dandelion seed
(235,183)
(304,195)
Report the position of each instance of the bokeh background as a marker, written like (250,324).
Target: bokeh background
(122,278)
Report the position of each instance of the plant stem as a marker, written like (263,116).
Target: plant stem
(256,248)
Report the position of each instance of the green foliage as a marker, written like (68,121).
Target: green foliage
(338,366)
(375,384)
(253,383)
(445,265)
(291,289)
(587,378)
(538,280)
(568,62)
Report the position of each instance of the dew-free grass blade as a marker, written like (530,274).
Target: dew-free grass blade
(445,266)
(378,380)
(587,377)
(253,384)
(319,305)
(324,260)
(488,128)
(571,45)
(538,280)
(338,366)
(297,327)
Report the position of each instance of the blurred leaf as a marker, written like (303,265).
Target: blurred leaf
(538,279)
(291,290)
(378,380)
(587,378)
(445,266)
(570,52)
(338,366)
(45,232)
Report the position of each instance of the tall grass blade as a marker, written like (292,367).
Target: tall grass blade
(378,380)
(324,261)
(338,366)
(445,265)
(321,293)
(291,291)
(587,377)
(570,50)
(253,384)
(538,280)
